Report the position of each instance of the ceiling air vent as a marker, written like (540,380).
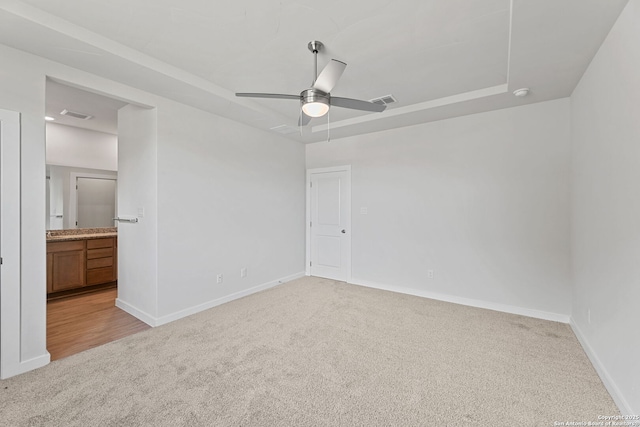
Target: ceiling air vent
(75,115)
(384,100)
(284,129)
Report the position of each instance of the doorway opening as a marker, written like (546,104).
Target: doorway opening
(82,236)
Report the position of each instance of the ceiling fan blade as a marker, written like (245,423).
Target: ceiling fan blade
(268,95)
(329,76)
(304,119)
(356,104)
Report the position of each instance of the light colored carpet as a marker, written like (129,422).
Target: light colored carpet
(317,352)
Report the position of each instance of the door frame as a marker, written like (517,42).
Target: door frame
(10,245)
(347,189)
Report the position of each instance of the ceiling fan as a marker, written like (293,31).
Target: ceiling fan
(317,100)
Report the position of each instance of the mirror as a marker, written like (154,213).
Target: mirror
(80,198)
(96,201)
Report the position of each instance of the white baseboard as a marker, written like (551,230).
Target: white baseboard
(135,312)
(157,321)
(608,382)
(210,304)
(27,365)
(538,314)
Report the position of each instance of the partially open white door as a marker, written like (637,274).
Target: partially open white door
(9,243)
(329,227)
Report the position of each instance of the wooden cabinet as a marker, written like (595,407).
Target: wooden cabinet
(67,262)
(79,263)
(49,271)
(100,261)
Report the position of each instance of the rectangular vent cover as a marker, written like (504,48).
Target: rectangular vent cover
(384,100)
(75,114)
(284,129)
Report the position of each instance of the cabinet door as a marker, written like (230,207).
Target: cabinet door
(68,270)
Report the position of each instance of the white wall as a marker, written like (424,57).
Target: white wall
(483,200)
(138,189)
(605,125)
(83,148)
(230,197)
(22,89)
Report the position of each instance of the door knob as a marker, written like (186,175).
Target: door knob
(343,231)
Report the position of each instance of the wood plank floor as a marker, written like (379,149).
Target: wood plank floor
(81,322)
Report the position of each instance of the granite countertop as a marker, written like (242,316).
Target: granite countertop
(81,234)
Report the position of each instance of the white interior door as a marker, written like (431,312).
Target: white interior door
(9,244)
(96,199)
(329,250)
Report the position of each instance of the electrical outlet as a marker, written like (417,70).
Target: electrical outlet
(219,278)
(430,274)
(243,272)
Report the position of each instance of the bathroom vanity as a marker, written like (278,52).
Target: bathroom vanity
(81,259)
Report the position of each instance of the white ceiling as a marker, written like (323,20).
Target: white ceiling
(104,110)
(439,58)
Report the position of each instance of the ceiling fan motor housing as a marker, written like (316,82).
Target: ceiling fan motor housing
(314,95)
(315,103)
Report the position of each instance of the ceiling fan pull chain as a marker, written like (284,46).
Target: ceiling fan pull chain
(329,125)
(300,122)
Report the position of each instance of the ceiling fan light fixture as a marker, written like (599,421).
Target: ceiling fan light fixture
(315,103)
(316,109)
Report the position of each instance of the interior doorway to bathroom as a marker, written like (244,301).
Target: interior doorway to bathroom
(82,190)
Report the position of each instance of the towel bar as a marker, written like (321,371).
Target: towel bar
(131,220)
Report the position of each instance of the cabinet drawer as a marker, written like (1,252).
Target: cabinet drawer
(100,243)
(99,253)
(100,275)
(99,263)
(73,245)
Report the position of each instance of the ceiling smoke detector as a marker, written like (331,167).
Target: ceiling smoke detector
(521,92)
(75,114)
